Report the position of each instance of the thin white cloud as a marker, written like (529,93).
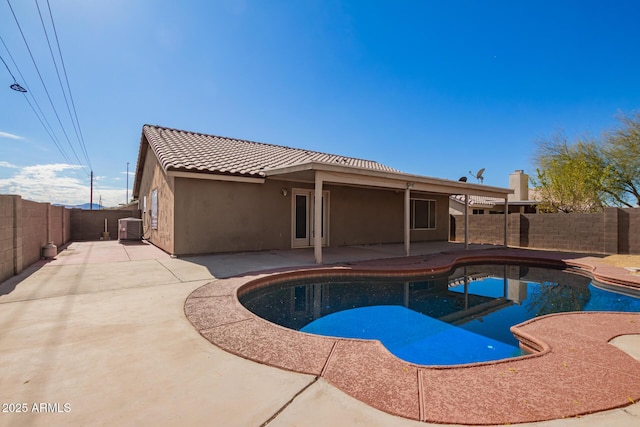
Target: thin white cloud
(60,184)
(10,135)
(8,165)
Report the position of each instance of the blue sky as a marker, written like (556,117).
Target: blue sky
(436,88)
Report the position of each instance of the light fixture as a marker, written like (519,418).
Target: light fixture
(284,191)
(18,88)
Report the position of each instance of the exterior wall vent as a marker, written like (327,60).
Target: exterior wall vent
(129,229)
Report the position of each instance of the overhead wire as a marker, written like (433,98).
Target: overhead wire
(55,65)
(74,122)
(8,69)
(42,118)
(55,111)
(66,76)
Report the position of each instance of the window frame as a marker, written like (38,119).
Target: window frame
(430,212)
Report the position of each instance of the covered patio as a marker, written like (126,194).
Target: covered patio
(320,173)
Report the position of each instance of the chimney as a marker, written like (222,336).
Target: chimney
(519,182)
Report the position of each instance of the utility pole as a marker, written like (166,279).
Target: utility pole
(91,197)
(126,201)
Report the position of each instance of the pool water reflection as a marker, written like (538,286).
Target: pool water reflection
(462,317)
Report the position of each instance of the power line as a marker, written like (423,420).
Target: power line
(55,111)
(41,117)
(55,65)
(10,73)
(64,70)
(76,122)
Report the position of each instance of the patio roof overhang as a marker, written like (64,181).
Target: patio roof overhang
(350,175)
(320,173)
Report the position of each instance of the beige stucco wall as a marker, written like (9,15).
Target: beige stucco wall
(220,216)
(362,216)
(153,177)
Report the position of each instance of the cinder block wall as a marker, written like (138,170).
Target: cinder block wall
(610,232)
(34,230)
(89,225)
(486,229)
(7,219)
(629,231)
(57,225)
(634,231)
(25,227)
(573,232)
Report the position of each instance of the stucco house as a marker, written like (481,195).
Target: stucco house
(207,194)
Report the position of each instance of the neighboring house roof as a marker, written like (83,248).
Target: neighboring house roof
(478,200)
(489,202)
(197,152)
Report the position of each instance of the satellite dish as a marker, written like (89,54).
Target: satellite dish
(478,175)
(463,179)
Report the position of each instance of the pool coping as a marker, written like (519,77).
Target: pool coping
(573,371)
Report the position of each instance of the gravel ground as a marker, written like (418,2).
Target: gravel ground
(623,260)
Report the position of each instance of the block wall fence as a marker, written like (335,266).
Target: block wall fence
(613,231)
(26,226)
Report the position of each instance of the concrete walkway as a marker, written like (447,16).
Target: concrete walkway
(99,337)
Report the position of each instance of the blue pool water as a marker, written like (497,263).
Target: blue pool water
(459,318)
(412,336)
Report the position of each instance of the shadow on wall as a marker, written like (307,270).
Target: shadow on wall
(624,224)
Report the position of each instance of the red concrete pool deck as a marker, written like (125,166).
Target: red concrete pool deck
(574,371)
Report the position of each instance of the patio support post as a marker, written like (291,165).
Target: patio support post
(317,220)
(407,219)
(506,222)
(466,221)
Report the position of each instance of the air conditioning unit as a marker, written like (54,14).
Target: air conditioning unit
(129,229)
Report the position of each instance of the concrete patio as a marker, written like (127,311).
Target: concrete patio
(99,334)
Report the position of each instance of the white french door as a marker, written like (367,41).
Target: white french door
(302,217)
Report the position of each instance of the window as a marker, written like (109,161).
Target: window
(423,214)
(154,209)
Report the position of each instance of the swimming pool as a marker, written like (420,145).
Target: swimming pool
(457,318)
(576,368)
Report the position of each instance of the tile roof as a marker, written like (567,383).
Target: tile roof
(478,200)
(195,152)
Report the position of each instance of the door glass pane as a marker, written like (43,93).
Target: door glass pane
(301,216)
